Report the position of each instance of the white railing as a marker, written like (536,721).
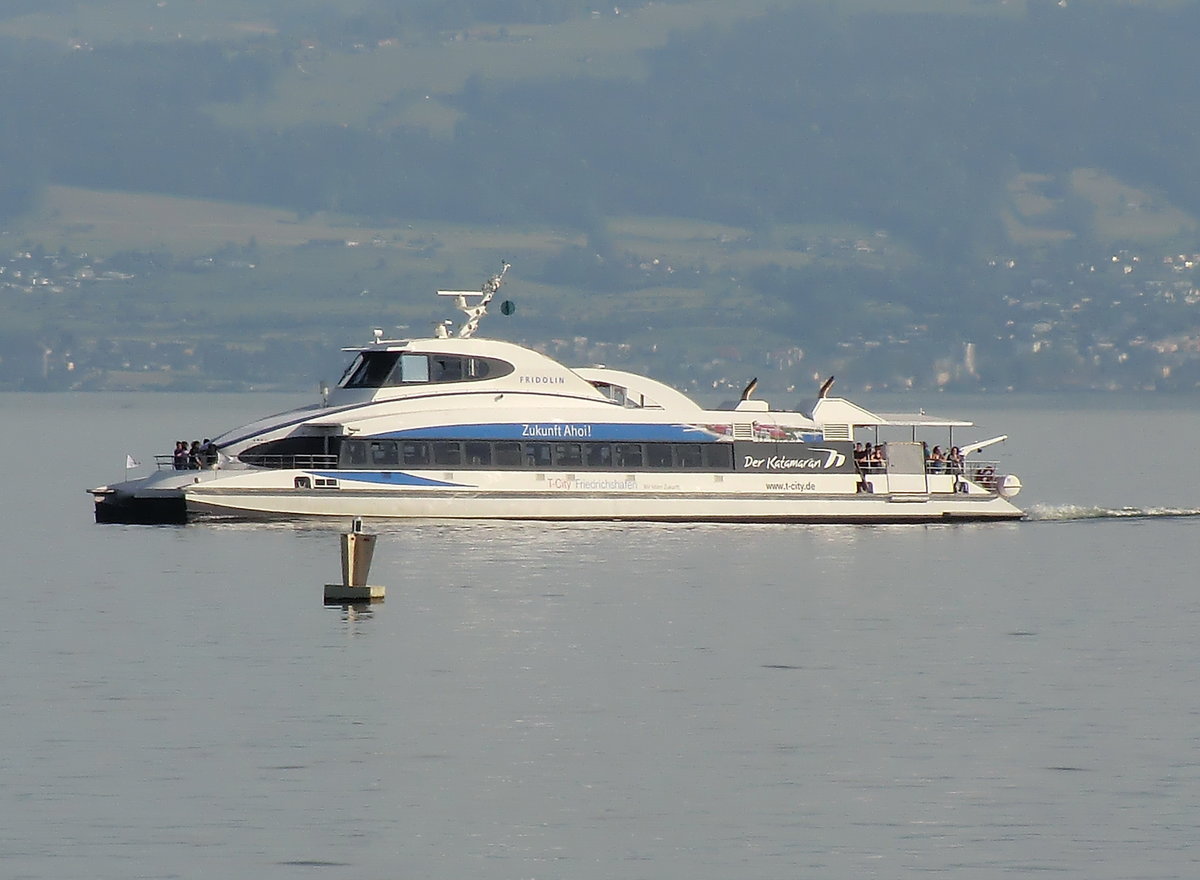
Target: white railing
(985,474)
(166,462)
(290,462)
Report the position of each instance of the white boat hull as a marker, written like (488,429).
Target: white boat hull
(622,497)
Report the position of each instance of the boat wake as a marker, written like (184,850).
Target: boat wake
(1075,512)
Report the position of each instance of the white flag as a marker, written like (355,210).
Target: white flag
(131,462)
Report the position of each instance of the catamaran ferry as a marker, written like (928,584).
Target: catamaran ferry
(456,426)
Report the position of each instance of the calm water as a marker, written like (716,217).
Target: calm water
(607,701)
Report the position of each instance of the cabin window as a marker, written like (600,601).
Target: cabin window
(537,455)
(658,455)
(568,455)
(383,452)
(629,455)
(447,452)
(599,455)
(718,456)
(354,453)
(478,453)
(302,483)
(414,453)
(508,454)
(534,455)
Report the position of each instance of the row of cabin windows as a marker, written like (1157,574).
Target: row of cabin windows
(536,455)
(379,369)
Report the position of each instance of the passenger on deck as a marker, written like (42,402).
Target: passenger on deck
(180,457)
(879,458)
(208,453)
(862,464)
(193,456)
(955,461)
(937,461)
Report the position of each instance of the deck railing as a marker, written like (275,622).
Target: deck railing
(984,473)
(301,462)
(288,462)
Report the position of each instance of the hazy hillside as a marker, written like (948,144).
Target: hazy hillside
(869,186)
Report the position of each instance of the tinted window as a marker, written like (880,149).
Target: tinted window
(414,452)
(508,454)
(447,452)
(384,452)
(537,455)
(445,368)
(376,369)
(687,455)
(373,369)
(478,452)
(599,455)
(658,455)
(568,455)
(718,456)
(629,455)
(354,453)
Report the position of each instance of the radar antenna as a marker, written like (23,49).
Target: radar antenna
(477,311)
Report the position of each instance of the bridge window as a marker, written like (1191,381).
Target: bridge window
(412,369)
(614,393)
(446,369)
(380,369)
(372,369)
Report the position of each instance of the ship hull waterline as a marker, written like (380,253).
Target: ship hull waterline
(599,508)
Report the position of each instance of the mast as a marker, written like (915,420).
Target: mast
(477,311)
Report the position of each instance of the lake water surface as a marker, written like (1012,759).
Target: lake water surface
(607,701)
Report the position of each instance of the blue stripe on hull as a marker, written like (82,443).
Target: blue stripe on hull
(388,478)
(567,431)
